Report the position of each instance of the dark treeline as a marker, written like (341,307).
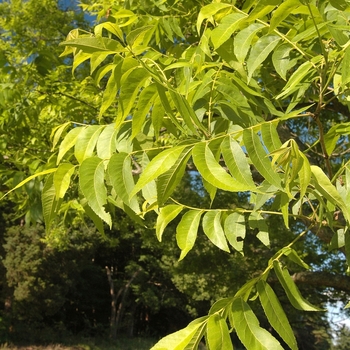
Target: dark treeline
(79,282)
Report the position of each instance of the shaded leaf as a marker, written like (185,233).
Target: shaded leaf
(120,175)
(243,39)
(91,183)
(259,52)
(258,156)
(49,202)
(275,314)
(168,181)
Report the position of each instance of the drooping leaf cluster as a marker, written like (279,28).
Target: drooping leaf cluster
(211,95)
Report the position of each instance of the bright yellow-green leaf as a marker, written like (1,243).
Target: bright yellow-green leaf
(275,314)
(248,329)
(61,178)
(68,142)
(291,289)
(157,166)
(166,215)
(213,229)
(218,335)
(186,231)
(86,142)
(235,230)
(180,339)
(213,172)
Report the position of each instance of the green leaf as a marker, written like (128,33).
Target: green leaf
(57,133)
(168,181)
(324,186)
(129,90)
(180,339)
(144,104)
(107,142)
(157,115)
(50,202)
(186,231)
(91,183)
(243,40)
(275,314)
(45,172)
(208,11)
(258,156)
(235,230)
(212,171)
(345,67)
(292,290)
(226,28)
(93,216)
(137,37)
(237,163)
(86,142)
(340,5)
(110,93)
(111,27)
(281,60)
(120,175)
(165,102)
(149,190)
(293,256)
(213,229)
(259,52)
(166,215)
(186,112)
(220,305)
(61,178)
(295,79)
(304,174)
(256,220)
(96,44)
(79,58)
(157,166)
(270,136)
(95,60)
(68,142)
(262,8)
(248,329)
(218,335)
(282,12)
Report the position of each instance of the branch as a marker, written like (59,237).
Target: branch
(323,279)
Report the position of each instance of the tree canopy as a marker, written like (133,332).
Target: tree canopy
(252,97)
